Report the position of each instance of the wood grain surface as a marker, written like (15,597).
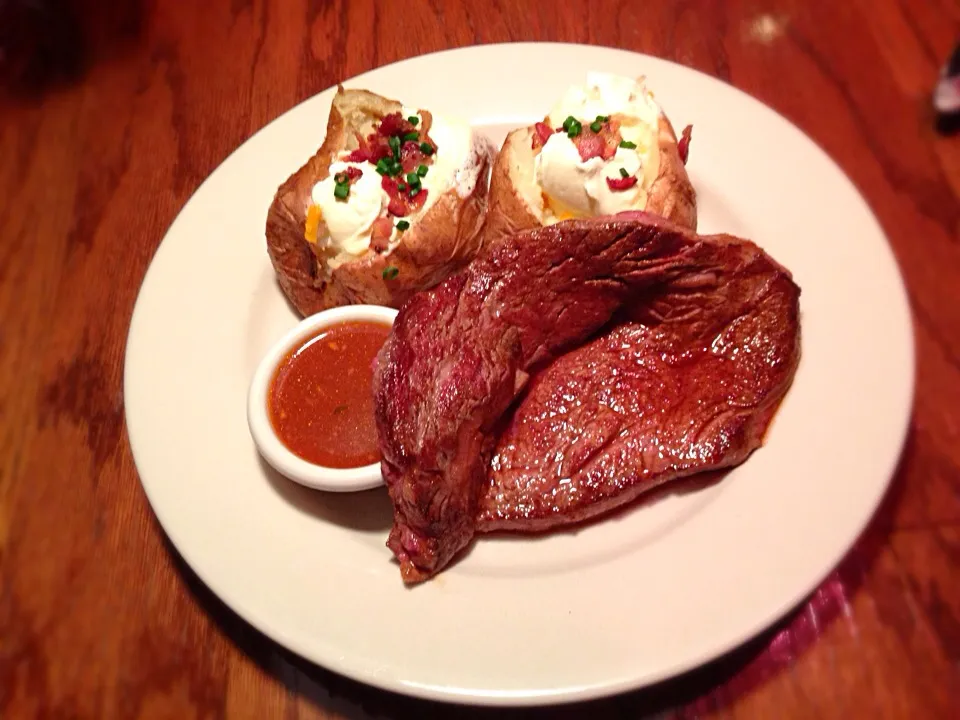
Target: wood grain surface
(114,113)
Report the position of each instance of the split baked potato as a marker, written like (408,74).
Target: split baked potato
(392,203)
(606,147)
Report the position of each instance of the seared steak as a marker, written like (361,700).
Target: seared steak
(458,354)
(688,383)
(704,344)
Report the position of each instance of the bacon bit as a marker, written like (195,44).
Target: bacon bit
(359,155)
(541,133)
(589,145)
(602,144)
(380,234)
(411,156)
(683,147)
(416,202)
(621,183)
(362,153)
(401,204)
(396,207)
(370,150)
(609,148)
(395,124)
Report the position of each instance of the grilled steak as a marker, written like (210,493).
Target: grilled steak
(459,354)
(704,343)
(687,383)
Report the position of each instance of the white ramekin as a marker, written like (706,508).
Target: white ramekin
(258,417)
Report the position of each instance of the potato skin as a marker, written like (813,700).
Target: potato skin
(671,195)
(508,213)
(438,243)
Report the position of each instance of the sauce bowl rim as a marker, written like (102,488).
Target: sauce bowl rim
(269,445)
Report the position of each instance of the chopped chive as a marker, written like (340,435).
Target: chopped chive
(401,186)
(574,129)
(569,122)
(624,173)
(602,118)
(627,144)
(426,148)
(413,120)
(383,166)
(394,142)
(414,191)
(411,137)
(341,191)
(413,178)
(402,225)
(421,170)
(390,272)
(596,126)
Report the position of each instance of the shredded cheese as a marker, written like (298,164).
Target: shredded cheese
(312,225)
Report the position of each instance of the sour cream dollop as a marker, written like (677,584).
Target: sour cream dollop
(574,187)
(350,221)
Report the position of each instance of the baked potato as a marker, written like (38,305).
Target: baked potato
(392,203)
(605,148)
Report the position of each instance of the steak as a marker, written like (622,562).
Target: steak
(703,345)
(459,353)
(686,381)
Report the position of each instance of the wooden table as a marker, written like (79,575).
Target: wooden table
(98,616)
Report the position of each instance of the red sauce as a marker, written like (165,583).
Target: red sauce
(321,397)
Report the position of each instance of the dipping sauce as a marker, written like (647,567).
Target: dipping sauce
(321,397)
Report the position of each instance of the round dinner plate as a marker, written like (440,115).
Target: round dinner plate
(621,603)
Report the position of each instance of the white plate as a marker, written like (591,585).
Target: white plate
(624,603)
